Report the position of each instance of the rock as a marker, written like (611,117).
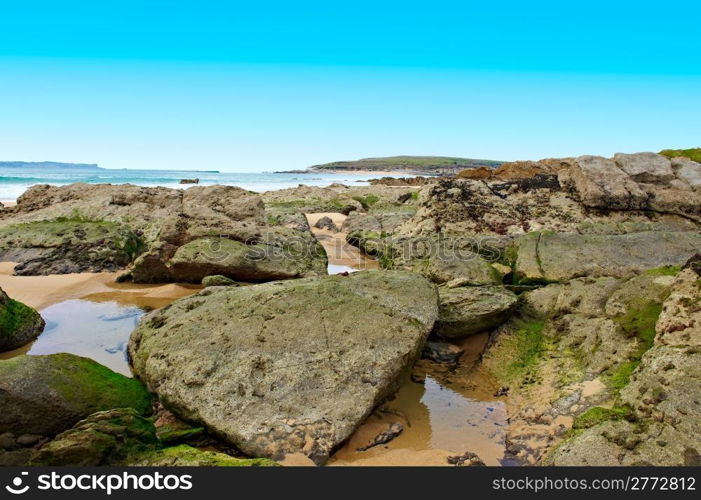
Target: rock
(441,352)
(393,430)
(19,323)
(123,437)
(644,181)
(217,280)
(599,182)
(560,257)
(66,245)
(467,459)
(278,383)
(104,438)
(688,171)
(326,223)
(469,310)
(100,227)
(29,439)
(454,264)
(680,319)
(8,441)
(281,253)
(64,386)
(645,167)
(187,456)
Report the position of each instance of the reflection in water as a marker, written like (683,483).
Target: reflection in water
(460,423)
(96,330)
(444,411)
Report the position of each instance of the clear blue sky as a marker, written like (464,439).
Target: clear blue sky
(246,86)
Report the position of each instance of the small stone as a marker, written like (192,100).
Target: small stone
(218,280)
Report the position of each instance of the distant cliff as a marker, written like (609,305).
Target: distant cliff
(417,164)
(48,164)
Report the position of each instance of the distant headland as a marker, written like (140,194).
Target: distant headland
(425,165)
(49,164)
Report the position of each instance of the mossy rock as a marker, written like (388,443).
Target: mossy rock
(19,323)
(104,438)
(187,456)
(217,280)
(46,395)
(69,245)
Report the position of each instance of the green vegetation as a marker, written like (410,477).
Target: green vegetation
(84,383)
(367,201)
(638,321)
(184,455)
(522,350)
(14,316)
(693,153)
(663,271)
(596,415)
(410,163)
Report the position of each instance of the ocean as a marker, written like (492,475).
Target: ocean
(15,180)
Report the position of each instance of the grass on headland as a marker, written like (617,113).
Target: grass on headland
(692,153)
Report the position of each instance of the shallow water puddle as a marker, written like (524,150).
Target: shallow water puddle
(444,413)
(96,330)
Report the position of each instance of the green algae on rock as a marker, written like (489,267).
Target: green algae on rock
(123,437)
(68,245)
(187,456)
(47,394)
(19,323)
(103,438)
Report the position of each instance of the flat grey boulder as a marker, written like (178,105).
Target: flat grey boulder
(564,256)
(469,310)
(288,366)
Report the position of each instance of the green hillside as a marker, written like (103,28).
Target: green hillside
(409,163)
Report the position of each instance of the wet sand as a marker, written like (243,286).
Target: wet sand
(342,256)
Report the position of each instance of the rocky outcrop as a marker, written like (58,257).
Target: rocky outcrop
(642,181)
(544,257)
(45,395)
(568,351)
(68,245)
(278,383)
(83,227)
(19,323)
(662,427)
(469,310)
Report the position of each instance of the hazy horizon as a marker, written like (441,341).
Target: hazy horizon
(245,88)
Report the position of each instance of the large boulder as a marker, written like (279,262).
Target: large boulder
(289,366)
(469,310)
(564,256)
(45,395)
(19,323)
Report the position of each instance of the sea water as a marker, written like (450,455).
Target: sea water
(15,180)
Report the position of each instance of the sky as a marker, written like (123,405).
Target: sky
(255,86)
